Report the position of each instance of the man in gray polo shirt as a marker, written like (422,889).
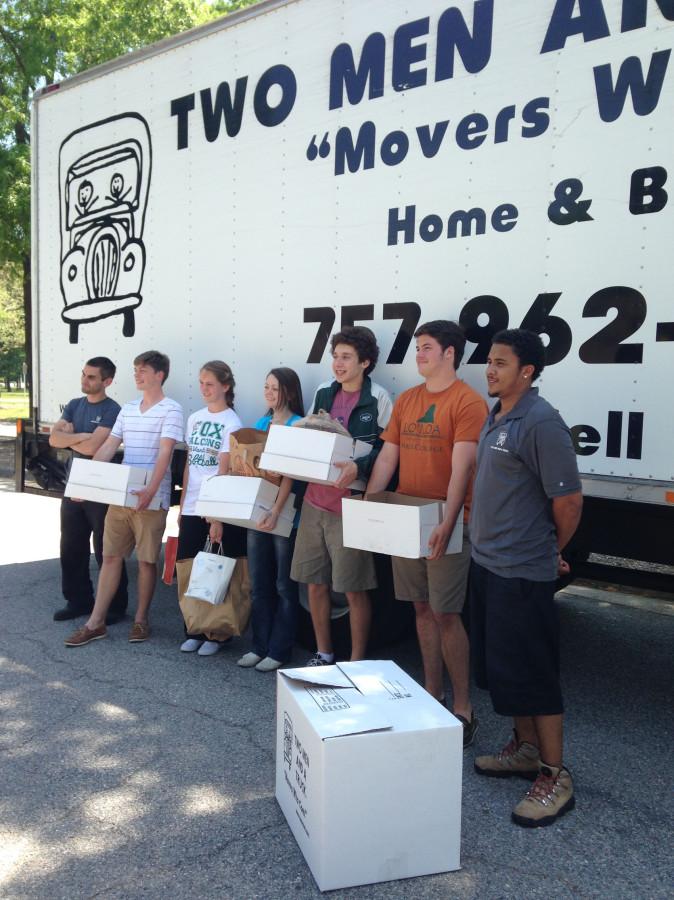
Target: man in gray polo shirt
(526,506)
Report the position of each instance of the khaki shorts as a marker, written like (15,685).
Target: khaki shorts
(125,528)
(320,556)
(441,582)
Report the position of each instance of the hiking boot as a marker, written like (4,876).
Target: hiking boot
(469,728)
(517,758)
(86,635)
(139,632)
(549,797)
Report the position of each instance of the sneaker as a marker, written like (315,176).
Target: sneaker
(139,632)
(86,635)
(190,645)
(69,612)
(469,728)
(268,664)
(318,660)
(517,758)
(549,797)
(209,648)
(248,660)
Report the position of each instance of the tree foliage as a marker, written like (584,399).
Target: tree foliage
(12,353)
(43,41)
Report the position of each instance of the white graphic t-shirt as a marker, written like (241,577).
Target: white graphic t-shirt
(207,436)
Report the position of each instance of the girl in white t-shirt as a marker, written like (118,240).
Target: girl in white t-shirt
(207,438)
(274,593)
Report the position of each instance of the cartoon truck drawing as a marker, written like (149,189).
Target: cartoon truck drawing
(104,179)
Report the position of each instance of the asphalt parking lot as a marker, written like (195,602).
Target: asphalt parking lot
(132,770)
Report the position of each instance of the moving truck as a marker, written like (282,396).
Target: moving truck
(242,190)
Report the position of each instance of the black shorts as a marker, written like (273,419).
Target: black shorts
(514,640)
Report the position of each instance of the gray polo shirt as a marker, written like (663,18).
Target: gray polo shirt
(524,460)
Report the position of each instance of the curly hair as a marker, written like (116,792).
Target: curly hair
(526,345)
(363,342)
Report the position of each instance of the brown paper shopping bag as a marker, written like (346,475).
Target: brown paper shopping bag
(221,621)
(245,448)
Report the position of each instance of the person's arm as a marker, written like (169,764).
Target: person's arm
(566,512)
(384,468)
(223,463)
(145,496)
(90,443)
(62,435)
(463,464)
(270,521)
(108,448)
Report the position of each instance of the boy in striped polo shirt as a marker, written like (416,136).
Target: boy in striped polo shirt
(149,428)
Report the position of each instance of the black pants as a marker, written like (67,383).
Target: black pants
(192,537)
(78,522)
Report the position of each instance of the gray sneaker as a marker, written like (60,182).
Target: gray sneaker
(548,798)
(516,758)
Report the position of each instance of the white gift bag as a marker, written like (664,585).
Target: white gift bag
(211,574)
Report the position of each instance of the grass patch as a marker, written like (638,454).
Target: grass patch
(13,405)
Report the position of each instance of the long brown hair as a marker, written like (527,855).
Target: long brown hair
(289,390)
(224,375)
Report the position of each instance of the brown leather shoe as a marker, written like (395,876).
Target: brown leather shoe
(139,633)
(86,635)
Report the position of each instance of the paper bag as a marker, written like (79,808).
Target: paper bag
(245,448)
(224,620)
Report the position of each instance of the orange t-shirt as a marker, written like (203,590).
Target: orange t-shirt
(426,426)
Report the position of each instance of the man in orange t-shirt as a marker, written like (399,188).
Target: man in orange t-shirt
(432,436)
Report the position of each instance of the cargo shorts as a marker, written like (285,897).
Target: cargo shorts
(320,556)
(126,528)
(441,582)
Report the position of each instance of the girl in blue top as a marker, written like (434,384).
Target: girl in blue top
(274,594)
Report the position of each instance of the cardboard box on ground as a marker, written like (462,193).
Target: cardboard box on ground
(396,524)
(368,773)
(105,482)
(310,455)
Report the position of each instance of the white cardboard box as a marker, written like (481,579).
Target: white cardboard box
(368,773)
(396,524)
(243,500)
(106,482)
(310,455)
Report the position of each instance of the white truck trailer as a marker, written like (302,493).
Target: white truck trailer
(242,190)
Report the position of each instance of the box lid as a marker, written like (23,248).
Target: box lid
(93,473)
(238,489)
(333,705)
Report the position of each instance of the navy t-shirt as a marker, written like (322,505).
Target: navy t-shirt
(87,417)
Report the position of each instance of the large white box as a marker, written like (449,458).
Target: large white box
(243,500)
(105,482)
(368,773)
(396,524)
(310,455)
